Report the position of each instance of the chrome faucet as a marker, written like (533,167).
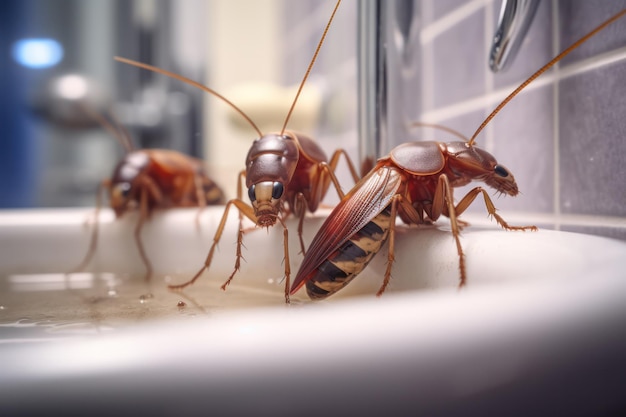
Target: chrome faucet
(515,18)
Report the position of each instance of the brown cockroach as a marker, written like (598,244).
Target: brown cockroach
(149,179)
(282,169)
(415,181)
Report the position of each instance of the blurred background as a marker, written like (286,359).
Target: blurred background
(385,64)
(60,52)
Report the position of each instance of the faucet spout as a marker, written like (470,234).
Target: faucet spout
(515,18)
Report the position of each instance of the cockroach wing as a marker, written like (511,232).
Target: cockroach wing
(171,162)
(420,158)
(365,201)
(309,148)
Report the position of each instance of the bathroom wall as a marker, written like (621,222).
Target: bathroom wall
(231,46)
(562,137)
(53,155)
(334,74)
(260,52)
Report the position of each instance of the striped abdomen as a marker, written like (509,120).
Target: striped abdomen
(212,192)
(351,258)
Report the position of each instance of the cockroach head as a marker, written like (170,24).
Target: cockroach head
(124,189)
(121,198)
(502,180)
(479,165)
(496,175)
(266,200)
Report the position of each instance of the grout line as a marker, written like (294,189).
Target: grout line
(489,75)
(479,102)
(448,21)
(556,188)
(546,218)
(594,62)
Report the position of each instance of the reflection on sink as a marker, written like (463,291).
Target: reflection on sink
(539,309)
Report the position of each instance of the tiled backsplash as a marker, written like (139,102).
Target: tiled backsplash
(563,137)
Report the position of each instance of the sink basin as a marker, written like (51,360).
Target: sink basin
(537,329)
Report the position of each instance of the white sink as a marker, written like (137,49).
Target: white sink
(538,328)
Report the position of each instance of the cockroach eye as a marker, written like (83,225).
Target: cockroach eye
(277,192)
(124,189)
(501,171)
(251,193)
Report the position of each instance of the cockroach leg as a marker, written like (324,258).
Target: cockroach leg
(443,203)
(104,185)
(148,190)
(202,202)
(300,211)
(240,231)
(241,178)
(326,169)
(243,208)
(392,244)
(334,160)
(143,214)
(287,264)
(443,184)
(462,223)
(491,209)
(238,257)
(329,168)
(411,213)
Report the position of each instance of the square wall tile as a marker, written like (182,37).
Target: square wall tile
(459,61)
(440,8)
(567,152)
(592,142)
(577,17)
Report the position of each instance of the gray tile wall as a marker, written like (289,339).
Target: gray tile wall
(563,137)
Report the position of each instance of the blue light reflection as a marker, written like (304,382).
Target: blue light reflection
(37,52)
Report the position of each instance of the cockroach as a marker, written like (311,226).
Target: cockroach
(149,179)
(286,173)
(416,182)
